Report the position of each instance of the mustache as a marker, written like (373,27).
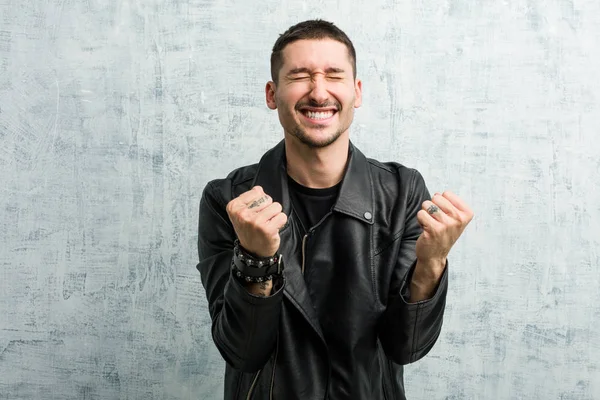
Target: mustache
(313,103)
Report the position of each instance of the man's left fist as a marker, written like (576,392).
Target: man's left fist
(443,219)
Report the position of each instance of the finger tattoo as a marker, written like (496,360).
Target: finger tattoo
(257,203)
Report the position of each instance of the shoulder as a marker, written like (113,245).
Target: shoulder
(394,173)
(402,186)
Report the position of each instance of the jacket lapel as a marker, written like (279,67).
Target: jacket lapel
(356,199)
(272,177)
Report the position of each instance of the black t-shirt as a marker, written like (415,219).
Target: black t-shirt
(310,204)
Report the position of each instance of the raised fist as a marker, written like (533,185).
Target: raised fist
(257,221)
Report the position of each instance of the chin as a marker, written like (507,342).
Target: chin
(317,141)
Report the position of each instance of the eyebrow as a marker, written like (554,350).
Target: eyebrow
(307,71)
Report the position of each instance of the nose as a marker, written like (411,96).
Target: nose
(318,91)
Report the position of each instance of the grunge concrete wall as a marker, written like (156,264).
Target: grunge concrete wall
(115,114)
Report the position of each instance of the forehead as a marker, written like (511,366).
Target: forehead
(315,54)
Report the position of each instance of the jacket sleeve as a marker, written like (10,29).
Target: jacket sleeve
(408,331)
(244,326)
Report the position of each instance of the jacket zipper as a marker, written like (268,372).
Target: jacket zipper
(304,251)
(253,384)
(274,365)
(255,380)
(385,391)
(392,390)
(306,236)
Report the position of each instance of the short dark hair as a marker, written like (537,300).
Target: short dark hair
(307,30)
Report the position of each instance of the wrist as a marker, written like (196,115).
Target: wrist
(263,289)
(252,270)
(252,253)
(429,270)
(260,289)
(426,278)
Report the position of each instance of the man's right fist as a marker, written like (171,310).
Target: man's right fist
(257,221)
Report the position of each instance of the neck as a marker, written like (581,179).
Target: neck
(317,167)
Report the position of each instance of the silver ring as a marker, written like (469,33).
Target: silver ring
(432,209)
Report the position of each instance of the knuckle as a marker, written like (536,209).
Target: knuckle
(281,219)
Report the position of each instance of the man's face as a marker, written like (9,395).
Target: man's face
(316,93)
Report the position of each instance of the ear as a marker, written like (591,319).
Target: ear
(357,93)
(270,95)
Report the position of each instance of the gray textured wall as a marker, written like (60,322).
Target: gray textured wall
(115,114)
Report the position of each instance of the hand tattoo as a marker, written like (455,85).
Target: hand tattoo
(257,203)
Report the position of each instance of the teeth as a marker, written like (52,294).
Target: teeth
(319,115)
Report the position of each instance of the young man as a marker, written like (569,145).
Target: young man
(325,271)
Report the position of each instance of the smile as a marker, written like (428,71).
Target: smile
(318,116)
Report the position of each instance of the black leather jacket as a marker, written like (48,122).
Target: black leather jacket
(362,253)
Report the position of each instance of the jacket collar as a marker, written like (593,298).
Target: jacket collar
(356,197)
